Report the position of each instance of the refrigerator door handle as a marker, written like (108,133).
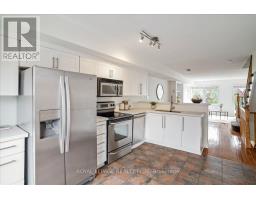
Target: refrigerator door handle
(63,114)
(68,114)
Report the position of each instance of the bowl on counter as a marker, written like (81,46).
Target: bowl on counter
(196,100)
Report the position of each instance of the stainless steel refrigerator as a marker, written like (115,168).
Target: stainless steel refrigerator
(58,109)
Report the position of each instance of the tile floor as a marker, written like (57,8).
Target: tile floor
(153,164)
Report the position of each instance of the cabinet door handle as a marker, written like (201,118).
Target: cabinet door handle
(57,62)
(162,121)
(7,147)
(53,62)
(7,163)
(182,126)
(140,89)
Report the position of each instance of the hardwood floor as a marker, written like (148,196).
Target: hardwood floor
(226,144)
(226,162)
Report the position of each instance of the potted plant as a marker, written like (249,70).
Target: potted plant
(196,99)
(153,105)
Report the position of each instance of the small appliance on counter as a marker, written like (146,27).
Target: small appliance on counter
(124,105)
(119,130)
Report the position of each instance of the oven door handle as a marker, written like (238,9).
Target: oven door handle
(113,124)
(124,121)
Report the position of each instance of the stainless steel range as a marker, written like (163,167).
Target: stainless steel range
(119,130)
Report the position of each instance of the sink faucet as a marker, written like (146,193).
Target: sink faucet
(172,107)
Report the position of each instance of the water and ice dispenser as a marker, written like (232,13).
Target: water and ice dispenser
(50,123)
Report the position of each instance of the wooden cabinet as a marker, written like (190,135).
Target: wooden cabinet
(88,66)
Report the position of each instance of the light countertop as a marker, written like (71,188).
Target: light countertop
(101,119)
(12,133)
(182,113)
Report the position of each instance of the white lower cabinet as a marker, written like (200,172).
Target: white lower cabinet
(175,131)
(154,128)
(12,162)
(192,134)
(101,143)
(172,131)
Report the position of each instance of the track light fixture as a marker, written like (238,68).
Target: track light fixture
(153,40)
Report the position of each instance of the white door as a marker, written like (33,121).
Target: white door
(172,131)
(88,66)
(192,134)
(154,128)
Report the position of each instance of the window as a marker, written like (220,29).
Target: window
(209,95)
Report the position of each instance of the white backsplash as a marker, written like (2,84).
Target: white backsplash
(133,100)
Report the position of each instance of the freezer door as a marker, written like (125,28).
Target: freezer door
(49,119)
(80,144)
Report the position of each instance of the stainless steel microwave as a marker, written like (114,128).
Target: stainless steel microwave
(109,88)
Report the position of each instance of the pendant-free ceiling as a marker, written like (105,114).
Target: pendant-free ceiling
(153,40)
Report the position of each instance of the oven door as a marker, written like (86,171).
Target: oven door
(108,89)
(119,134)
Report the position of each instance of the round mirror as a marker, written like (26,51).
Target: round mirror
(159,91)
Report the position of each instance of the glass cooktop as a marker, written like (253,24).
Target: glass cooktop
(114,115)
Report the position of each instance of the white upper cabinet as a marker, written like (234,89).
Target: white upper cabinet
(66,61)
(9,76)
(135,82)
(105,70)
(56,59)
(88,66)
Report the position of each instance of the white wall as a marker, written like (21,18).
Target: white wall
(225,91)
(8,110)
(152,84)
(254,62)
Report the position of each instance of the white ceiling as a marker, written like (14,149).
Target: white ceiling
(204,43)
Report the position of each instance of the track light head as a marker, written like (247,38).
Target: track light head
(151,43)
(141,38)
